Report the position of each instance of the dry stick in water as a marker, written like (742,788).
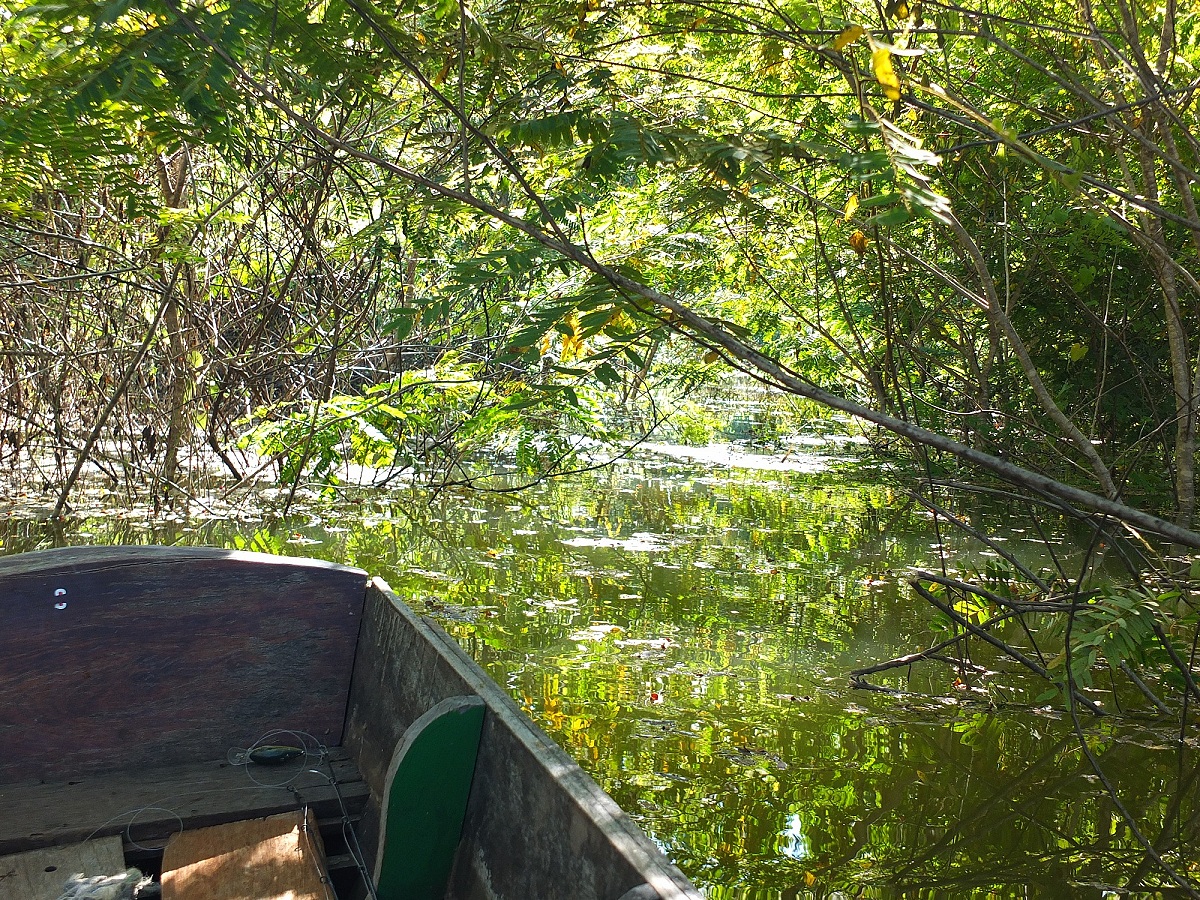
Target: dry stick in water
(689,322)
(1031,664)
(118,392)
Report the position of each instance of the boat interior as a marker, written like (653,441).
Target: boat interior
(285,725)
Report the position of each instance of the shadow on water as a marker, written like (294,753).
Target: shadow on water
(687,633)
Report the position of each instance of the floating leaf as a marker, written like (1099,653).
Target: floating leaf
(848,37)
(885,72)
(851,206)
(1077,352)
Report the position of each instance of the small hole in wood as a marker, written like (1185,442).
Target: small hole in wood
(51,868)
(73,782)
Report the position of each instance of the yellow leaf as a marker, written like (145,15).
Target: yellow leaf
(848,37)
(885,74)
(851,206)
(573,344)
(711,356)
(1077,352)
(809,879)
(858,241)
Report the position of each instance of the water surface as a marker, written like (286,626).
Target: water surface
(685,624)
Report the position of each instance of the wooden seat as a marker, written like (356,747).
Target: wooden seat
(147,805)
(258,859)
(127,658)
(41,874)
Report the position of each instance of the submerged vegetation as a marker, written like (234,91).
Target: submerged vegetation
(482,243)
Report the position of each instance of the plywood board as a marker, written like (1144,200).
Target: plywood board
(260,859)
(41,874)
(146,656)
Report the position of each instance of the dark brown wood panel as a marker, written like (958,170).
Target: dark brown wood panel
(148,805)
(119,657)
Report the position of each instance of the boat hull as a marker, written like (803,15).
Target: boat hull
(537,825)
(127,672)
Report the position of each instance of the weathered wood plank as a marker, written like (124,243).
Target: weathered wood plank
(537,825)
(148,805)
(117,657)
(276,857)
(41,874)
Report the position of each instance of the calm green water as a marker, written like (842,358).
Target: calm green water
(685,630)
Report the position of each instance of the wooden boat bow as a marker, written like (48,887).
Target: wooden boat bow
(127,673)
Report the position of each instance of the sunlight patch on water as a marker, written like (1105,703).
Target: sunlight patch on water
(795,843)
(640,543)
(733,457)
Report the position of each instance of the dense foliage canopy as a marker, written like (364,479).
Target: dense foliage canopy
(390,234)
(977,220)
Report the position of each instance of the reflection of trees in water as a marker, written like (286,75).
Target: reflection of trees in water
(910,809)
(732,735)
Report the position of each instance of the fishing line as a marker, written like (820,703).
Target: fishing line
(133,814)
(349,835)
(315,846)
(267,752)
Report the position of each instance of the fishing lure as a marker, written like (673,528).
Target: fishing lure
(274,754)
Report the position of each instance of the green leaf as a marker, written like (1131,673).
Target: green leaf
(897,215)
(403,321)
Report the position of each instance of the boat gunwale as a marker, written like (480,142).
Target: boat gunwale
(107,557)
(578,813)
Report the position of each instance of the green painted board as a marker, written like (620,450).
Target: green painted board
(425,800)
